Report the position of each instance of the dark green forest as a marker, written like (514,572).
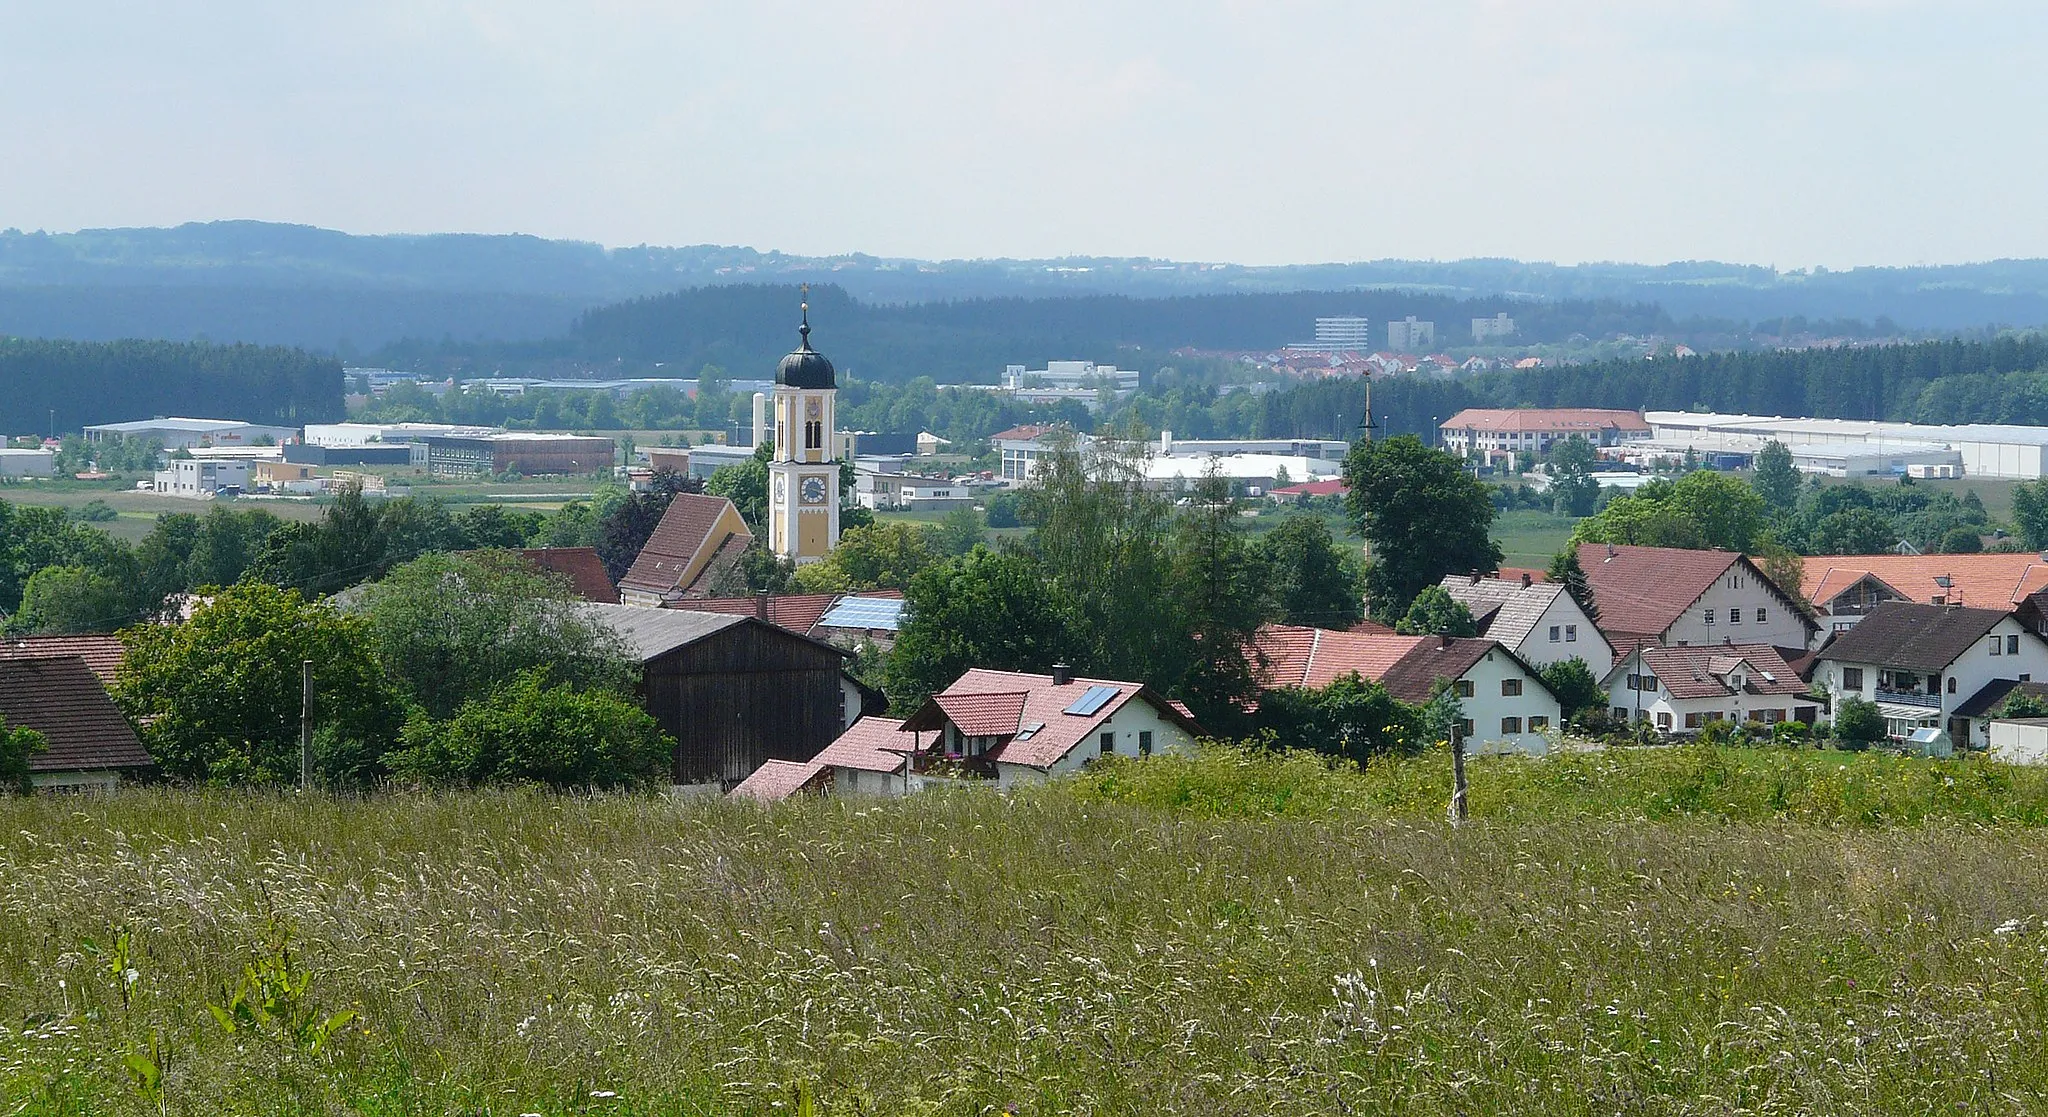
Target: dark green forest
(108,382)
(746,328)
(2001,381)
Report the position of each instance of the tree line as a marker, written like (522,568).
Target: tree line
(116,381)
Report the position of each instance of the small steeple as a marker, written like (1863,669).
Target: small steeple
(804,331)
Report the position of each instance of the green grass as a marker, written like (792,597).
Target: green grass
(1528,537)
(1288,940)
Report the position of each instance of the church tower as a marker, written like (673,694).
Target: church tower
(803,474)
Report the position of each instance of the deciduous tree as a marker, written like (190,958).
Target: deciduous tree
(1422,516)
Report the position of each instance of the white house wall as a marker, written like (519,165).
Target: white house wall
(1487,706)
(1968,674)
(1741,590)
(1541,651)
(1137,716)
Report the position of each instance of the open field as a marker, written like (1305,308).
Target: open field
(138,511)
(1281,940)
(1529,537)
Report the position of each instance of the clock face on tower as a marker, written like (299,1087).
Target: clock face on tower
(814,490)
(778,487)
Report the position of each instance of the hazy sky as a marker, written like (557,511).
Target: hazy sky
(1788,132)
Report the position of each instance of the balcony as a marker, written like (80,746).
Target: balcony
(1909,698)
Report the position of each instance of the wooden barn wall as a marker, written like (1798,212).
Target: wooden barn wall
(743,696)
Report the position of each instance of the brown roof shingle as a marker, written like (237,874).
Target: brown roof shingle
(684,533)
(776,780)
(581,566)
(797,612)
(1916,637)
(63,700)
(1702,671)
(101,653)
(1984,581)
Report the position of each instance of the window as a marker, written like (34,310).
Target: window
(1642,682)
(1997,646)
(1510,726)
(1620,713)
(1108,743)
(1663,721)
(1553,634)
(1709,617)
(1464,728)
(1734,616)
(1144,742)
(1571,634)
(1538,723)
(1763,616)
(1463,687)
(2012,645)
(1692,721)
(1510,688)
(1852,679)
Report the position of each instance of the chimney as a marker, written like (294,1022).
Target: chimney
(1525,579)
(1474,575)
(760,606)
(1062,674)
(1610,550)
(1443,640)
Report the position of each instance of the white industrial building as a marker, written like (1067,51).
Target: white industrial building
(350,435)
(179,434)
(27,463)
(201,478)
(1860,446)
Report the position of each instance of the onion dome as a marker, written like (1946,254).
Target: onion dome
(806,367)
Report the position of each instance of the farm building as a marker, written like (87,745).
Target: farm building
(735,691)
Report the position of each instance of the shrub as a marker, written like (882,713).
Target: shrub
(531,732)
(16,747)
(1791,734)
(1858,723)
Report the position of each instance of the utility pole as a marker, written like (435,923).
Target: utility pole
(306,725)
(1458,813)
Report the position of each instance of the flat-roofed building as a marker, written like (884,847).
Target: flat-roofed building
(460,456)
(180,433)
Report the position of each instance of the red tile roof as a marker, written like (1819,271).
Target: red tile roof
(1317,657)
(1313,488)
(101,653)
(63,700)
(983,715)
(1554,419)
(776,780)
(797,612)
(1702,671)
(1641,591)
(1406,665)
(684,533)
(1985,581)
(872,745)
(581,566)
(1040,706)
(1025,433)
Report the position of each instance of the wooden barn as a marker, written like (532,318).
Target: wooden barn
(735,691)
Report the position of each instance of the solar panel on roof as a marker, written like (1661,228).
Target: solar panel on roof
(1095,698)
(883,613)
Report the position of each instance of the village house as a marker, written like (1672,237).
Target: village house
(1676,597)
(1507,707)
(1679,691)
(1924,664)
(1845,588)
(90,746)
(1528,433)
(1537,621)
(734,691)
(873,757)
(845,620)
(698,541)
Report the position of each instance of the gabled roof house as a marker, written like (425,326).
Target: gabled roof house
(1507,706)
(89,743)
(1844,588)
(1681,690)
(1924,665)
(698,539)
(1672,596)
(1015,726)
(1538,621)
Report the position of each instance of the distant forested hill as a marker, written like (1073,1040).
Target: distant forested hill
(255,281)
(750,327)
(2004,381)
(110,382)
